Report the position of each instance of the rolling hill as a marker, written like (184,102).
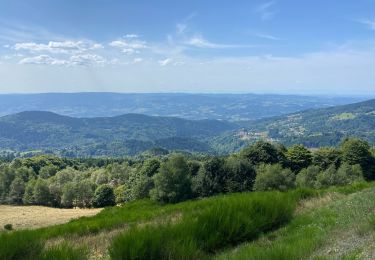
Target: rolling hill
(121,135)
(316,127)
(230,107)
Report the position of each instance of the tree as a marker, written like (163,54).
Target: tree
(48,171)
(104,196)
(240,175)
(349,174)
(298,157)
(306,178)
(41,193)
(356,151)
(28,197)
(261,152)
(172,182)
(328,177)
(211,178)
(326,156)
(273,177)
(17,190)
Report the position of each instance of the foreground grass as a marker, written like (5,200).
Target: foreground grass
(208,224)
(336,231)
(226,221)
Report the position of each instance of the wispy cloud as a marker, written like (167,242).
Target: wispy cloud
(199,42)
(130,45)
(369,23)
(267,36)
(266,10)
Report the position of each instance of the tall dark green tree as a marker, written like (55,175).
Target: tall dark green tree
(172,182)
(261,152)
(356,151)
(298,157)
(211,178)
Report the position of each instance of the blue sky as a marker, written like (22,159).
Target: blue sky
(279,46)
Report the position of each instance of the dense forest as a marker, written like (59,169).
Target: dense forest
(174,177)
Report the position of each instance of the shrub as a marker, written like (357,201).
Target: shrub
(306,178)
(348,174)
(273,177)
(8,227)
(328,177)
(104,196)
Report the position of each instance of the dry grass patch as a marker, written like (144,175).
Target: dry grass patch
(22,217)
(317,202)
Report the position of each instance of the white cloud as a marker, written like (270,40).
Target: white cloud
(267,36)
(75,60)
(165,62)
(87,60)
(131,36)
(137,60)
(199,42)
(56,47)
(128,44)
(43,60)
(266,11)
(128,51)
(369,23)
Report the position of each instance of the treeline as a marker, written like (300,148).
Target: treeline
(170,178)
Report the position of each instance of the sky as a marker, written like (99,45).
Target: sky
(320,47)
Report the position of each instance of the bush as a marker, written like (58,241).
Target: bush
(273,177)
(8,227)
(104,196)
(306,178)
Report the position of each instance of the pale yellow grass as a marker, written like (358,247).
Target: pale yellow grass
(22,217)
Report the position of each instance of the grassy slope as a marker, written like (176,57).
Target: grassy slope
(97,232)
(342,229)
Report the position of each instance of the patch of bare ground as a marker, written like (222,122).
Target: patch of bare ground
(348,245)
(316,202)
(30,217)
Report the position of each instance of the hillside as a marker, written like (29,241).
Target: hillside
(316,127)
(121,135)
(230,107)
(297,224)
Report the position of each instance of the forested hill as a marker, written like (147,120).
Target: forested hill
(318,127)
(121,135)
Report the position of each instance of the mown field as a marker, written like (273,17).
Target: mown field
(21,217)
(298,224)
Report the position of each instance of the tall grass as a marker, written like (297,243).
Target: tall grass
(64,251)
(19,245)
(228,221)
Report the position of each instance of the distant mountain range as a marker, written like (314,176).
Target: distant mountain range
(230,107)
(316,127)
(131,134)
